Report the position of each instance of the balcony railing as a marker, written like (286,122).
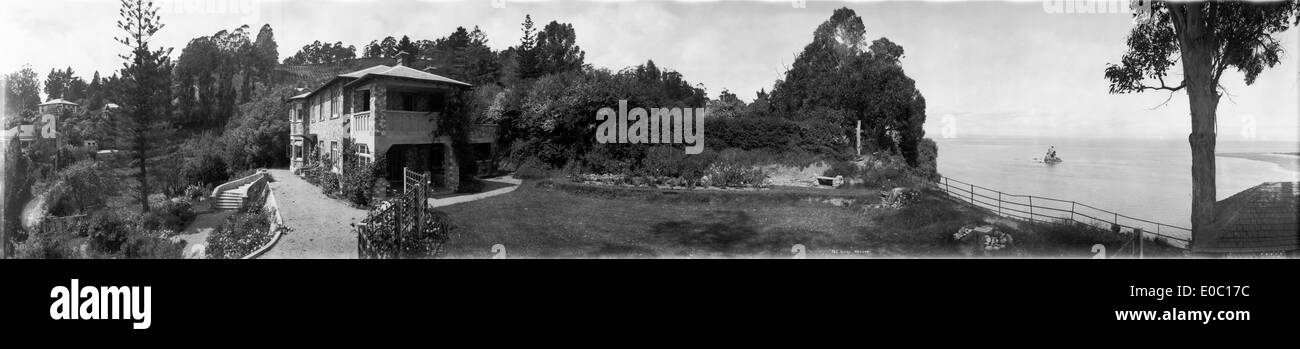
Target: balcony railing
(363,121)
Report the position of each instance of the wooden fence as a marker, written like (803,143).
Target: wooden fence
(1048,210)
(404,227)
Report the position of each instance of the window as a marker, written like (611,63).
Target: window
(334,153)
(328,106)
(363,100)
(336,100)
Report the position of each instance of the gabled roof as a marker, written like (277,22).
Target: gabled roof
(359,73)
(1260,219)
(404,72)
(397,71)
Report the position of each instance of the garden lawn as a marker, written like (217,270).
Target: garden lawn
(541,222)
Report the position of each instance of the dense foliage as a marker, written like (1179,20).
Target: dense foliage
(104,234)
(317,53)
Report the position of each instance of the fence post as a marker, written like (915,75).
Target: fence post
(1137,234)
(1031,208)
(397,222)
(945,186)
(1072,203)
(972,194)
(999,203)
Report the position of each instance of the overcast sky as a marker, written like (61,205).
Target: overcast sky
(986,68)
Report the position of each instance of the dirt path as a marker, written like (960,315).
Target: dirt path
(196,234)
(510,181)
(319,227)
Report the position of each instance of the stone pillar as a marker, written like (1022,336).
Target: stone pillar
(451,172)
(378,109)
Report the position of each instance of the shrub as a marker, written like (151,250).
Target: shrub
(358,185)
(142,246)
(842,168)
(532,169)
(927,159)
(194,192)
(107,232)
(171,215)
(612,158)
(86,184)
(890,172)
(663,161)
(205,169)
(45,246)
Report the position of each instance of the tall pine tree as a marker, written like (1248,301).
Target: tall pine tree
(146,91)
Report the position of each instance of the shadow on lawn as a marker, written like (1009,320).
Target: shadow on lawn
(732,233)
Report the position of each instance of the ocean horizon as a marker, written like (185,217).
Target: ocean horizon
(1142,178)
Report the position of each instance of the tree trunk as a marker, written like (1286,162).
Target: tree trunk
(1198,49)
(1202,139)
(144,180)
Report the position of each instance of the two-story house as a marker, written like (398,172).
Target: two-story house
(389,110)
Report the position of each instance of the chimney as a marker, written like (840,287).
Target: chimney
(402,57)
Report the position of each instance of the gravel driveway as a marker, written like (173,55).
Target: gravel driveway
(319,227)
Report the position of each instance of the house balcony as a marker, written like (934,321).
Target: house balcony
(298,129)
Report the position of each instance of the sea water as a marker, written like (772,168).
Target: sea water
(1141,178)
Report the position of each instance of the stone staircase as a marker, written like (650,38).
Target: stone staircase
(231,199)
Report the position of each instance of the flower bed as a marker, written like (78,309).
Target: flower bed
(752,180)
(241,234)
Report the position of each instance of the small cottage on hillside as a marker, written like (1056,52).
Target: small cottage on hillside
(1260,222)
(391,111)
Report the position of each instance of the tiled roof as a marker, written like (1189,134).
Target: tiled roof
(402,71)
(397,71)
(1259,219)
(363,72)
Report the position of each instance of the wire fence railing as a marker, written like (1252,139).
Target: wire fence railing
(1049,210)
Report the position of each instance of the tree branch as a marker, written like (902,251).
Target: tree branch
(1163,86)
(1167,99)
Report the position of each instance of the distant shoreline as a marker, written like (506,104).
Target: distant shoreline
(1288,161)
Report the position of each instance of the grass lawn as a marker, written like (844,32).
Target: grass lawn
(544,221)
(540,222)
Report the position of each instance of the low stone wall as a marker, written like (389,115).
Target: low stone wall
(272,207)
(237,183)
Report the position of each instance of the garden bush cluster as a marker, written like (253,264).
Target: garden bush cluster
(668,166)
(171,215)
(357,185)
(104,234)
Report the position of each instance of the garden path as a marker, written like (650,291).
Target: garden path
(318,226)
